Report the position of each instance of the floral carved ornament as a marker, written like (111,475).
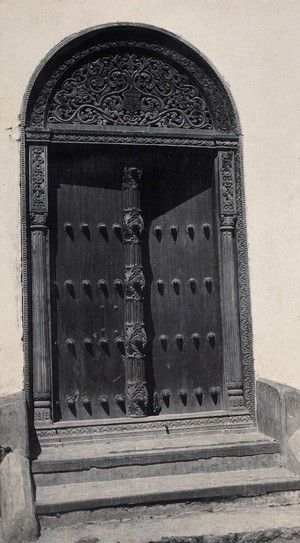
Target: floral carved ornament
(130,89)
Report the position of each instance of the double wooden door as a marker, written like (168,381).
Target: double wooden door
(180,298)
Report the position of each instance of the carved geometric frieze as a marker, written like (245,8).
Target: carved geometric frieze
(132,138)
(70,433)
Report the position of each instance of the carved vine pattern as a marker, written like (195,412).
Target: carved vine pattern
(133,226)
(228,204)
(136,340)
(212,90)
(38,189)
(137,398)
(129,89)
(134,282)
(244,290)
(131,178)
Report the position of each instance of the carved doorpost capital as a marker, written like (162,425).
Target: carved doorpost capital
(227,223)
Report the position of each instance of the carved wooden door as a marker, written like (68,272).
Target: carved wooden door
(135,306)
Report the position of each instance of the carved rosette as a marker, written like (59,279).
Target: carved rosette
(230,316)
(38,221)
(134,282)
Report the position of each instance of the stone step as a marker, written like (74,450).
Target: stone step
(169,455)
(230,522)
(163,489)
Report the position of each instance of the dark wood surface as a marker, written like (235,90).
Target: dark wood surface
(177,190)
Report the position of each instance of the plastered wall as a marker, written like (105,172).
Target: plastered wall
(255,45)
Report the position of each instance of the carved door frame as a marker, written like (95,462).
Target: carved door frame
(210,124)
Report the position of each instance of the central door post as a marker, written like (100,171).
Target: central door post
(135,335)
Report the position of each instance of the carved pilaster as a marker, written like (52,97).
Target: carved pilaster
(229,296)
(135,335)
(40,317)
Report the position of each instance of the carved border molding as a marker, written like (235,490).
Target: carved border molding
(70,433)
(244,288)
(214,93)
(71,137)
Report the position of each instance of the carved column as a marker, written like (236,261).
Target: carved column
(229,296)
(40,318)
(135,335)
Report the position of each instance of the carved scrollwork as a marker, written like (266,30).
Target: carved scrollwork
(137,398)
(133,226)
(244,291)
(131,178)
(130,89)
(227,182)
(134,282)
(38,196)
(214,93)
(136,340)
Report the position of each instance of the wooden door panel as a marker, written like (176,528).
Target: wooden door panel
(88,194)
(178,202)
(179,243)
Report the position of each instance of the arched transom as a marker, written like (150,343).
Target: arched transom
(130,89)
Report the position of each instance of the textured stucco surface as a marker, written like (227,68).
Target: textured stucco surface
(255,46)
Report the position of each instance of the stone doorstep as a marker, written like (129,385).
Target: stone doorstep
(110,453)
(242,525)
(161,489)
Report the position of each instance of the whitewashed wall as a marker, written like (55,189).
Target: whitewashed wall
(255,45)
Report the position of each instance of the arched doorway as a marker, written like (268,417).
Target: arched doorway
(136,287)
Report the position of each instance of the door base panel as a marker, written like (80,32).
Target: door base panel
(64,432)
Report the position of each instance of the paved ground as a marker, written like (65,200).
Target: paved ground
(278,524)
